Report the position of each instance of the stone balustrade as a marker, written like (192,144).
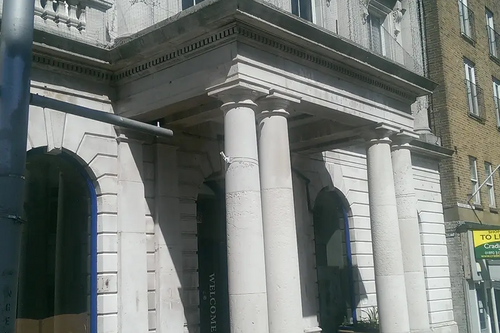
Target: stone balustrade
(71,13)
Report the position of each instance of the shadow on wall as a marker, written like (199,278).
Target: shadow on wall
(332,287)
(195,240)
(175,259)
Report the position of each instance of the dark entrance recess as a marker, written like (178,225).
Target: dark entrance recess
(334,268)
(212,259)
(54,288)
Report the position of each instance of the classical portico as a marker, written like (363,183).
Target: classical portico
(264,283)
(287,200)
(270,112)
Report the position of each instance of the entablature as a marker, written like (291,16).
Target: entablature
(220,21)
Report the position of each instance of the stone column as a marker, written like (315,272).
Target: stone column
(245,243)
(280,235)
(386,241)
(132,251)
(410,234)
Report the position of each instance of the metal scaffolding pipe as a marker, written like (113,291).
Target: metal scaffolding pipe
(15,69)
(105,117)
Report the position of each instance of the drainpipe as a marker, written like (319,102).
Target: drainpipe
(105,117)
(15,68)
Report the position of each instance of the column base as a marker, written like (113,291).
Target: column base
(254,306)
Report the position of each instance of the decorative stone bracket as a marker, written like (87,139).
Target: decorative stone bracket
(365,10)
(397,16)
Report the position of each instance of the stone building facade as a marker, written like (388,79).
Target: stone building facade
(300,190)
(463,58)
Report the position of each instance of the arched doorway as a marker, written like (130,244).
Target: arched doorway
(57,281)
(212,259)
(333,264)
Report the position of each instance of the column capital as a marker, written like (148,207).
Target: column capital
(276,103)
(238,93)
(381,133)
(403,139)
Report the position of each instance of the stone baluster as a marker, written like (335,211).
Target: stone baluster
(49,12)
(82,17)
(72,15)
(38,8)
(61,12)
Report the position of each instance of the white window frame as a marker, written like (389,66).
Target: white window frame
(496,97)
(489,184)
(490,24)
(474,178)
(299,13)
(465,24)
(470,83)
(185,5)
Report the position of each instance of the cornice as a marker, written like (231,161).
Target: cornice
(426,149)
(267,41)
(71,67)
(228,34)
(215,22)
(178,54)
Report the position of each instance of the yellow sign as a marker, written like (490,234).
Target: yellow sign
(486,244)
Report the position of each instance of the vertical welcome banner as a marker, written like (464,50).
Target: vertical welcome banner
(486,244)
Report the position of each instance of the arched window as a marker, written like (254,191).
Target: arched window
(57,280)
(333,265)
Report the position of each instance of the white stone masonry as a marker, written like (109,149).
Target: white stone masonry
(410,234)
(245,242)
(386,241)
(132,263)
(280,235)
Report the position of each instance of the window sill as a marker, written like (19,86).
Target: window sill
(495,59)
(494,210)
(477,118)
(478,207)
(468,39)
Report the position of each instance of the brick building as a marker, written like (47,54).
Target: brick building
(463,53)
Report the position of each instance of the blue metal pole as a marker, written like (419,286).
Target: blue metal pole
(15,68)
